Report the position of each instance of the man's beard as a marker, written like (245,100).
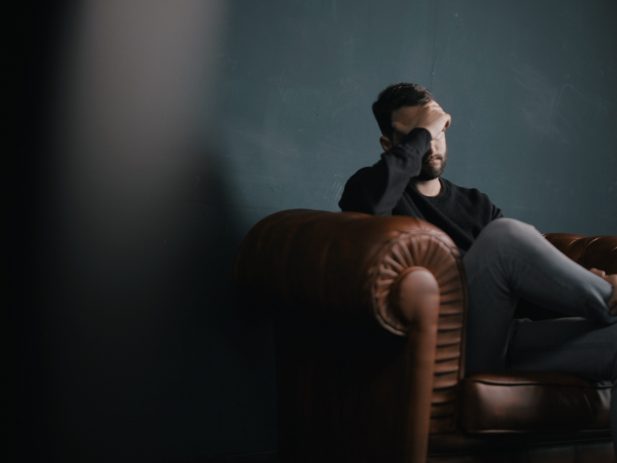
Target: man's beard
(430,171)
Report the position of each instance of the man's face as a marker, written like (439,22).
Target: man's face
(404,120)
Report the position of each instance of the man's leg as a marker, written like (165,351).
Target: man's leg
(511,260)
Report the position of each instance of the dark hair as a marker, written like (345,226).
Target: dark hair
(394,97)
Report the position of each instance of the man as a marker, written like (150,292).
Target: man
(505,260)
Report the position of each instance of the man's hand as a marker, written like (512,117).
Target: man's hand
(433,118)
(429,116)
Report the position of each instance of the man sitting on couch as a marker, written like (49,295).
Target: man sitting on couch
(505,260)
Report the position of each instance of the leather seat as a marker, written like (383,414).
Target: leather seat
(524,402)
(370,315)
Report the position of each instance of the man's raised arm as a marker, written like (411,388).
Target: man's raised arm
(377,189)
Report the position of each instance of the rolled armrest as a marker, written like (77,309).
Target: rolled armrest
(346,263)
(351,266)
(588,251)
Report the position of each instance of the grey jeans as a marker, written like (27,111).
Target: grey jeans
(512,261)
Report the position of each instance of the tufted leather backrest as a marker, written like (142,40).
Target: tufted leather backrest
(589,251)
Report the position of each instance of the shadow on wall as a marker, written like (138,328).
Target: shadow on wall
(230,339)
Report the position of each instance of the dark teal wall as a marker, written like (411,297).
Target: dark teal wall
(530,85)
(155,133)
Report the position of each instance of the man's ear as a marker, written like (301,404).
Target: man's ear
(385,143)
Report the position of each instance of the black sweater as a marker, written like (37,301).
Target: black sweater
(385,189)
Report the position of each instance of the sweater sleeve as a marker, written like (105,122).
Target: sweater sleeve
(377,189)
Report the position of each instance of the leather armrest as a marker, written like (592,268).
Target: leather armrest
(346,263)
(356,266)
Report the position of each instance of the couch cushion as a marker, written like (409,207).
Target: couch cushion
(532,402)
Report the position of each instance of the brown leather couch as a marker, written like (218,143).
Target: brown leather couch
(370,315)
